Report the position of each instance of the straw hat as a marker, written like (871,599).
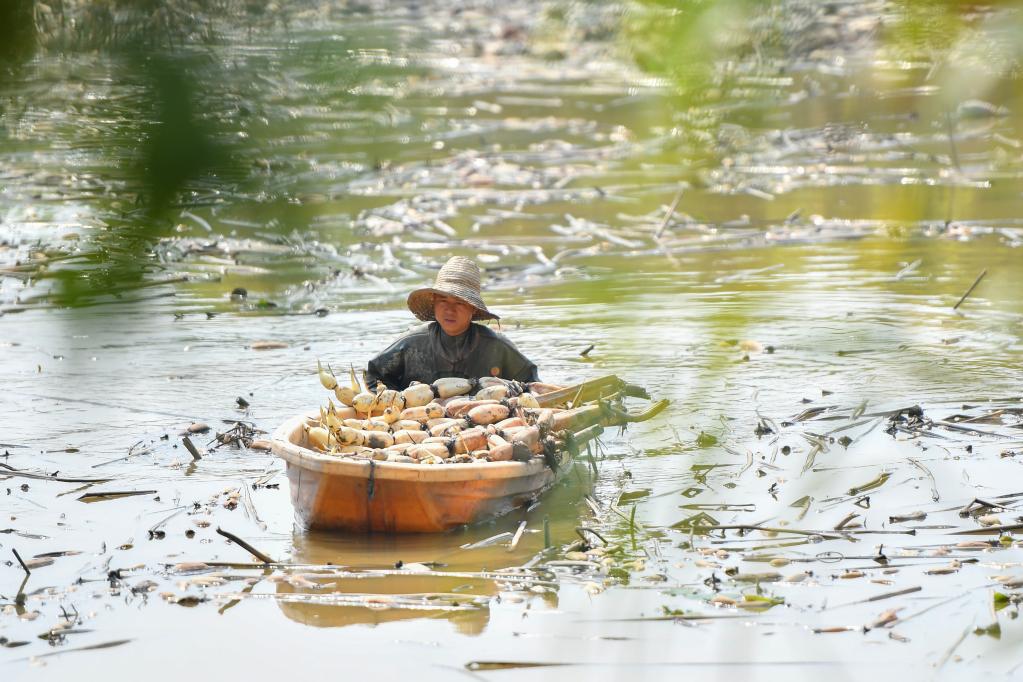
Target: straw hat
(460,278)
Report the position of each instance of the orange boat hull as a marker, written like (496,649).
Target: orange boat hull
(331,493)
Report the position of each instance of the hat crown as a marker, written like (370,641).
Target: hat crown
(458,271)
(459,278)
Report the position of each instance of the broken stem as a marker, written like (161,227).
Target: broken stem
(191,448)
(970,290)
(244,545)
(21,561)
(670,213)
(518,536)
(768,529)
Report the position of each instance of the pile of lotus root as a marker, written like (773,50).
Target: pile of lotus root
(451,421)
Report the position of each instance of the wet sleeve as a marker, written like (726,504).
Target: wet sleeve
(517,366)
(527,374)
(388,367)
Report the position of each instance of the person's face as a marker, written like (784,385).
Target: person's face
(453,315)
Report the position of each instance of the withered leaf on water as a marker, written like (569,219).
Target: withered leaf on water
(944,570)
(91,647)
(189,600)
(769,576)
(974,544)
(113,495)
(11,471)
(207,580)
(507,665)
(268,345)
(914,516)
(871,485)
(62,629)
(885,619)
(696,521)
(1011,582)
(8,644)
(30,536)
(810,413)
(38,563)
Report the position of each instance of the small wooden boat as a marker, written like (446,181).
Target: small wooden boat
(360,495)
(330,493)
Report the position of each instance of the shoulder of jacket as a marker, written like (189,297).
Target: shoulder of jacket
(418,330)
(412,335)
(488,333)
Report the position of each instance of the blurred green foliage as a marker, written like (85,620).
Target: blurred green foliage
(17,34)
(177,147)
(182,121)
(157,49)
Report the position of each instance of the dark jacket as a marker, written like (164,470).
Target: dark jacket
(426,354)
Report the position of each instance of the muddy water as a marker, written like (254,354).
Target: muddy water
(805,286)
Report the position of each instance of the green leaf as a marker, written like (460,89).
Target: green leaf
(705,440)
(774,601)
(993,630)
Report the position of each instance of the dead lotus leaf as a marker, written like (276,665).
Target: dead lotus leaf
(944,570)
(302,581)
(207,580)
(768,577)
(885,619)
(268,345)
(38,563)
(973,544)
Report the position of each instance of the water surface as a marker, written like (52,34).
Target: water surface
(827,229)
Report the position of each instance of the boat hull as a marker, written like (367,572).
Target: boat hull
(331,493)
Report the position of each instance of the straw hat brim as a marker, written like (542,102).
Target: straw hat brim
(420,302)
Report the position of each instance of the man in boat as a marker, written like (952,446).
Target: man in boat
(451,344)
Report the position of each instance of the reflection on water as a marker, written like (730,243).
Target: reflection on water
(375,606)
(485,547)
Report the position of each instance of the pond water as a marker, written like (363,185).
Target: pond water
(836,204)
